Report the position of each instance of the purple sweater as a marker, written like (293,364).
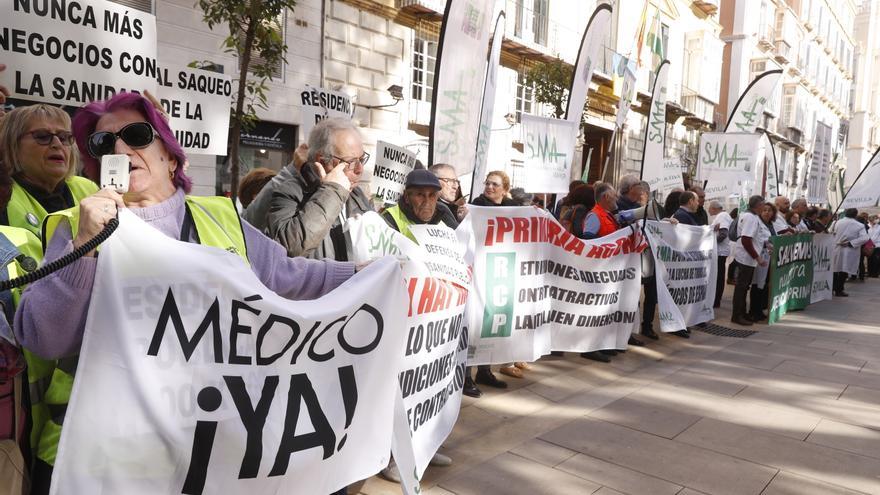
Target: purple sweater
(51,316)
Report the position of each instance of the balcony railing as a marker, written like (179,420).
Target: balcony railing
(698,105)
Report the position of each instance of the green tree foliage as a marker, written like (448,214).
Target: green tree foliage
(551,82)
(254,30)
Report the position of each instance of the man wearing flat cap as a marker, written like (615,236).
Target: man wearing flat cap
(419,205)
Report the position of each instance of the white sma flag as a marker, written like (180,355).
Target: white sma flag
(655,131)
(458,83)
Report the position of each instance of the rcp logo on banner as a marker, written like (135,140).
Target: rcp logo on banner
(219,385)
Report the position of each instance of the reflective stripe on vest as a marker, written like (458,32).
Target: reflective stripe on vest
(402,222)
(217,224)
(39,371)
(24,211)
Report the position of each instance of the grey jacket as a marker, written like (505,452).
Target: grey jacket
(302,214)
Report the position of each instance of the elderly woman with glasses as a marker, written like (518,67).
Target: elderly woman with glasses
(36,145)
(52,314)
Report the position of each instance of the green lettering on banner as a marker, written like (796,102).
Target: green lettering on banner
(500,291)
(791,274)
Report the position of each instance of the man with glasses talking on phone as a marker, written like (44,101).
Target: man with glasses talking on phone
(305,210)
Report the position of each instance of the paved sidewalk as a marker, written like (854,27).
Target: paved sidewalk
(793,409)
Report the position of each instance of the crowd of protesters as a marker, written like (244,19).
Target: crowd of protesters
(293,233)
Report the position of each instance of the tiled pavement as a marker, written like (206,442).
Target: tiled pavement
(793,409)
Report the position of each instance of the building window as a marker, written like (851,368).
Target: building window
(278,69)
(424,61)
(541,21)
(532,20)
(525,96)
(142,5)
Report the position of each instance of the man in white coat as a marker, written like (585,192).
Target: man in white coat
(849,235)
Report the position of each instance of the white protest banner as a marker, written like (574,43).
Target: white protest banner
(746,114)
(823,246)
(198,104)
(865,190)
(433,368)
(219,385)
(549,150)
(686,262)
(319,104)
(729,160)
(458,83)
(591,48)
(392,165)
(653,153)
(538,288)
(71,53)
(484,140)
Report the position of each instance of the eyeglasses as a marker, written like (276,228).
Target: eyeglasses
(454,182)
(44,138)
(137,135)
(489,183)
(361,160)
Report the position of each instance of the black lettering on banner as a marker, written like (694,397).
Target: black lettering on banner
(209,400)
(261,335)
(171,312)
(253,419)
(301,390)
(236,329)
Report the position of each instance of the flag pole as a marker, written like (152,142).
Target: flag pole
(862,172)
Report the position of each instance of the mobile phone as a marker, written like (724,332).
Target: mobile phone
(114,172)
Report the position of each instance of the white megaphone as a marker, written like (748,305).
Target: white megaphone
(115,170)
(626,217)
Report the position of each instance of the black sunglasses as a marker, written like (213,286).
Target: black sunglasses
(137,135)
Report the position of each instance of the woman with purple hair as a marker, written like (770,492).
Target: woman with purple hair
(129,124)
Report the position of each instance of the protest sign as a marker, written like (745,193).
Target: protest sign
(319,104)
(458,84)
(219,385)
(791,274)
(823,246)
(749,109)
(538,288)
(729,160)
(548,151)
(393,164)
(433,368)
(71,53)
(686,264)
(198,104)
(444,255)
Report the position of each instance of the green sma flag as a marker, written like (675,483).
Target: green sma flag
(791,274)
